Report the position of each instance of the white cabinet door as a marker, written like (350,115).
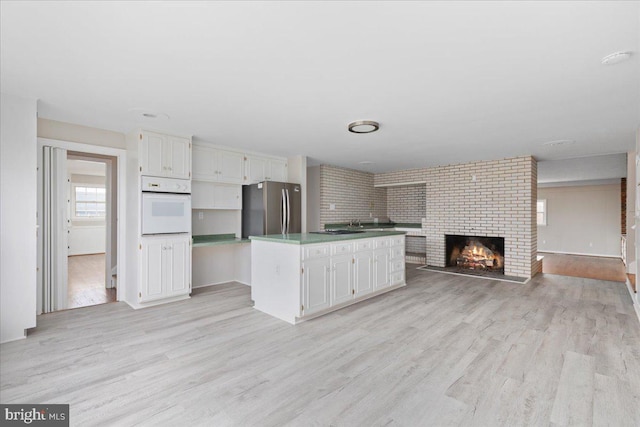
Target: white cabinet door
(163,155)
(341,279)
(227,196)
(178,266)
(151,272)
(151,154)
(178,161)
(230,167)
(213,195)
(205,163)
(380,268)
(165,268)
(277,171)
(363,273)
(315,285)
(255,169)
(202,195)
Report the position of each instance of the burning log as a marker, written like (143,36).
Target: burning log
(476,256)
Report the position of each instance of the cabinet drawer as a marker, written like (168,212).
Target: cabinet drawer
(397,241)
(397,265)
(397,252)
(315,251)
(382,243)
(364,245)
(397,277)
(341,248)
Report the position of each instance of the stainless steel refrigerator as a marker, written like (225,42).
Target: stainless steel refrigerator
(271,208)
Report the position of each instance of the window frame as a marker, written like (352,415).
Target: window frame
(544,212)
(73,201)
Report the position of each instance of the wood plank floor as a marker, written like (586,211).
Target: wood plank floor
(445,350)
(86,282)
(589,267)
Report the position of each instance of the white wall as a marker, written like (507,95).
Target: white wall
(18,189)
(62,131)
(631,212)
(581,220)
(216,221)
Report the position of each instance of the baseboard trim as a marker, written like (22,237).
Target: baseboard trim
(634,298)
(580,254)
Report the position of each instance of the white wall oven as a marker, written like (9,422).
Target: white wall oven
(166,205)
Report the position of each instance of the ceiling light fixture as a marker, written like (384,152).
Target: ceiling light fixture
(616,57)
(364,126)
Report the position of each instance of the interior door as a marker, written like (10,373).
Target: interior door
(55,229)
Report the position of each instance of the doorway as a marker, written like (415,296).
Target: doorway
(80,237)
(92,277)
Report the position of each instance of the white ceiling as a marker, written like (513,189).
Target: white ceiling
(448,81)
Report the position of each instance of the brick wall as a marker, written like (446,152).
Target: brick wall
(416,244)
(406,203)
(353,194)
(501,202)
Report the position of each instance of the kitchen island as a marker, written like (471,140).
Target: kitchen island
(296,277)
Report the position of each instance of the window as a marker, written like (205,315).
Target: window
(541,212)
(89,201)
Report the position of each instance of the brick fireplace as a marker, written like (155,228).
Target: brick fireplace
(487,198)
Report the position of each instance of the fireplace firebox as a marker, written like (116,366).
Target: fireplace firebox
(476,253)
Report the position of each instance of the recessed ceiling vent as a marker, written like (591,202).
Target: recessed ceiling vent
(558,142)
(144,114)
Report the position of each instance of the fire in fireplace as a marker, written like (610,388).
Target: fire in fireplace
(475,253)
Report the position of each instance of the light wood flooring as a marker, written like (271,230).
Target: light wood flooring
(445,350)
(589,267)
(86,281)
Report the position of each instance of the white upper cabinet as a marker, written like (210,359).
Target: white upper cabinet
(278,171)
(258,169)
(213,195)
(213,164)
(165,155)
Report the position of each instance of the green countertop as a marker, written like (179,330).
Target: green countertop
(369,225)
(311,238)
(216,239)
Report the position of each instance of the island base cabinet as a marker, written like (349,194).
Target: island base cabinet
(298,282)
(363,273)
(341,279)
(381,269)
(315,285)
(165,268)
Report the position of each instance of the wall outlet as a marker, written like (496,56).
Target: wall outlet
(332,206)
(200,215)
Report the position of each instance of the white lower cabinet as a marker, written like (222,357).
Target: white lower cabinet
(341,279)
(336,273)
(363,273)
(315,285)
(165,267)
(380,268)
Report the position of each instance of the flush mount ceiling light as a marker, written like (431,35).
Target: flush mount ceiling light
(615,58)
(364,126)
(148,115)
(559,142)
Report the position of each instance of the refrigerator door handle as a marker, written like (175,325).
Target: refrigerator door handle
(288,210)
(283,201)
